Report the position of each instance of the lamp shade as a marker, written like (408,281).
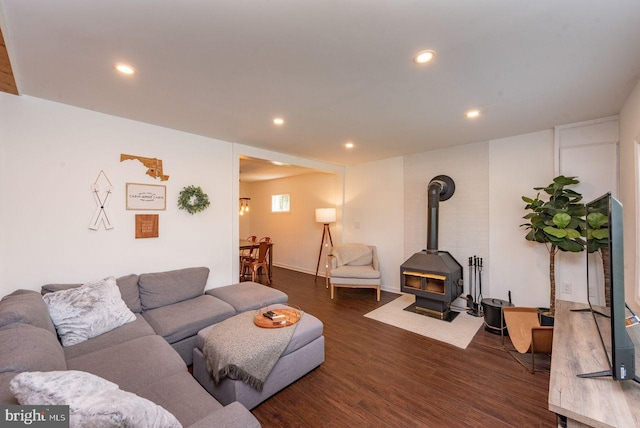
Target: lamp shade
(325,215)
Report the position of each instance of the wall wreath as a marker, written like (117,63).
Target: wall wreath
(193,199)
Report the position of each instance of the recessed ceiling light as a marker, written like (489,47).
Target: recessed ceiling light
(424,57)
(125,69)
(349,145)
(278,121)
(472,114)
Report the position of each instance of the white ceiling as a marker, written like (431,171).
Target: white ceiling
(252,169)
(336,70)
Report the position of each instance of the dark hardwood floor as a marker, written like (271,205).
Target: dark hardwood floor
(377,375)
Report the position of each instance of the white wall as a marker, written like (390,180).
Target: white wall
(51,153)
(463,219)
(517,165)
(254,152)
(374,213)
(629,192)
(244,221)
(588,150)
(295,234)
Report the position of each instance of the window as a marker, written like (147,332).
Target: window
(280,203)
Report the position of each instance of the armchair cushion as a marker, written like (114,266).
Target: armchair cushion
(346,271)
(352,254)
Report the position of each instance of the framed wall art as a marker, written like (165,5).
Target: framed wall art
(147,225)
(146,197)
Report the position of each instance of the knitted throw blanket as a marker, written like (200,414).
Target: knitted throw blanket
(347,253)
(238,347)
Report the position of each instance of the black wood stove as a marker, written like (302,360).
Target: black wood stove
(434,276)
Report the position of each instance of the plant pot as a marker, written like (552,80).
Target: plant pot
(546,320)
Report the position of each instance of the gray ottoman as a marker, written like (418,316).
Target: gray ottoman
(248,296)
(304,353)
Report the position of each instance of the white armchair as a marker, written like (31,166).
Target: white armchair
(353,266)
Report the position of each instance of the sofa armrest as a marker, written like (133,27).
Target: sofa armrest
(235,415)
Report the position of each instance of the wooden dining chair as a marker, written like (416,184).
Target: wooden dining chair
(261,262)
(247,255)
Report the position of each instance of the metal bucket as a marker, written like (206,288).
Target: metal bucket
(493,315)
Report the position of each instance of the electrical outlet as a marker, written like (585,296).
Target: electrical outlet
(566,287)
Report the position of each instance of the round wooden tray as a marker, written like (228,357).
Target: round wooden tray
(292,316)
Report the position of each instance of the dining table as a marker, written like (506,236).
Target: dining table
(247,245)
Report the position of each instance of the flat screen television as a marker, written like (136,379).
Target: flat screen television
(605,279)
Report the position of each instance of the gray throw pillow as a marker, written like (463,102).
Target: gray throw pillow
(87,311)
(92,400)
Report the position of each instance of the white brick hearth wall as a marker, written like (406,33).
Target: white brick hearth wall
(463,219)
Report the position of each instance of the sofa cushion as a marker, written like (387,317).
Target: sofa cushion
(87,311)
(28,348)
(92,401)
(6,396)
(164,288)
(230,416)
(133,364)
(184,319)
(127,284)
(27,307)
(183,396)
(138,328)
(248,295)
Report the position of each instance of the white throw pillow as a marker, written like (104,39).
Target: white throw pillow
(92,400)
(87,311)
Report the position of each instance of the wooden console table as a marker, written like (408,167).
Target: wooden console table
(595,402)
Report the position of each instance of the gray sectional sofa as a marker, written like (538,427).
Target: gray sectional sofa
(148,356)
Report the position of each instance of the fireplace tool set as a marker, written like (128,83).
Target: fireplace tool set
(474,298)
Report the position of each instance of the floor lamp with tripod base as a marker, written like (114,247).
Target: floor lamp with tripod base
(325,216)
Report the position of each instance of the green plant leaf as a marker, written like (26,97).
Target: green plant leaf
(572,234)
(597,220)
(562,220)
(600,233)
(570,246)
(562,181)
(558,233)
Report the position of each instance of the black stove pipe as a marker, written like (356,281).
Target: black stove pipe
(435,187)
(440,188)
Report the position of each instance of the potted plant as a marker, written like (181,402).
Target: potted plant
(557,222)
(598,241)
